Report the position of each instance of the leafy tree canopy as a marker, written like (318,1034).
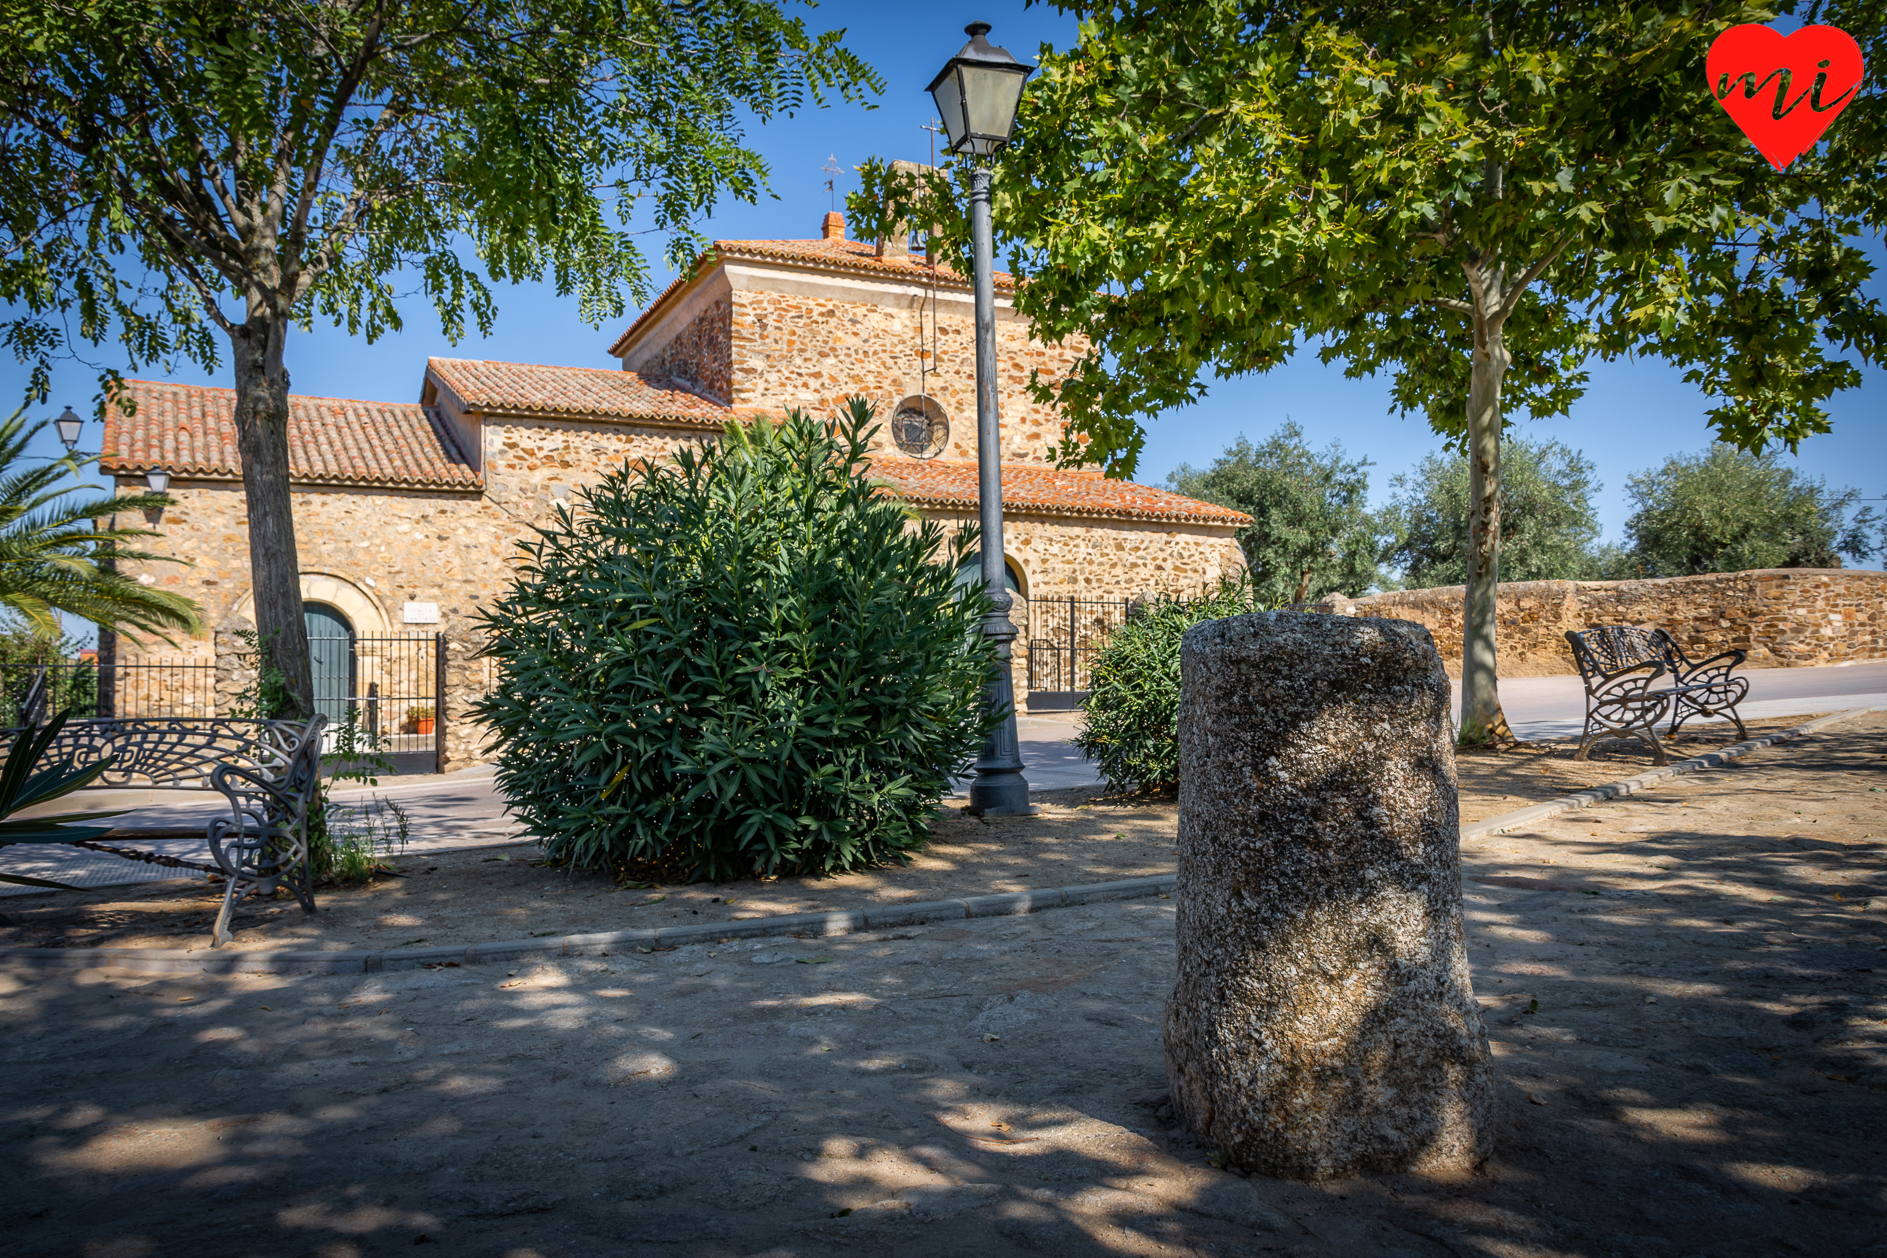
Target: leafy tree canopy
(1547,520)
(1311,533)
(1215,184)
(1726,510)
(180,167)
(176,166)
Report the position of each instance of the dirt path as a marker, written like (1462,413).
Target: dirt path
(1687,995)
(487,895)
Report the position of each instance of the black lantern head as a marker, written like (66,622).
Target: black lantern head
(69,426)
(158,480)
(977,94)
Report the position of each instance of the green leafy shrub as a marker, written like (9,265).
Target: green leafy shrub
(1131,731)
(747,661)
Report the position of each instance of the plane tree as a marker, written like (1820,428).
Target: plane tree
(1476,200)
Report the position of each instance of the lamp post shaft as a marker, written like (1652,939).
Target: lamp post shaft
(999,787)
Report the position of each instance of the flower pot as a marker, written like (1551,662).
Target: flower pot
(423,726)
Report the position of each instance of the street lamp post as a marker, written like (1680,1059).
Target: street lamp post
(977,93)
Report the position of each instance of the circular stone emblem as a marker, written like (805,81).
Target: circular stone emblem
(920,428)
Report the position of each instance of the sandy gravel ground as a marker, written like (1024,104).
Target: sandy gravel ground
(1687,994)
(484,895)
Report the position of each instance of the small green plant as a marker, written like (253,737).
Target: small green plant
(1131,731)
(745,661)
(350,843)
(266,693)
(419,712)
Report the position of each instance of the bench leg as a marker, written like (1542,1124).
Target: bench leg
(220,933)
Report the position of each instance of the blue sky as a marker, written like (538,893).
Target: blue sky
(1635,414)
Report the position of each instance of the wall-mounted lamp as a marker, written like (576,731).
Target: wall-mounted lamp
(69,426)
(158,479)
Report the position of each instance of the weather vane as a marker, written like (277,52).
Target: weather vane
(833,169)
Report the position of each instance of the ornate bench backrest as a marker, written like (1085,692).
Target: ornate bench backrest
(178,752)
(1607,648)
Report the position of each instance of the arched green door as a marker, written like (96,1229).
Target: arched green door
(331,653)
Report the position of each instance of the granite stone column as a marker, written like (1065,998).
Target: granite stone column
(1323,1022)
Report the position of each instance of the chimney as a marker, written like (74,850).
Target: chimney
(834,226)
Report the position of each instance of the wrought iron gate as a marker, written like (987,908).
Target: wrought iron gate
(392,686)
(1064,637)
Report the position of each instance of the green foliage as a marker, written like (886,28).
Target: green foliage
(349,843)
(265,695)
(1727,511)
(71,685)
(1131,731)
(1215,183)
(1311,531)
(23,787)
(56,557)
(295,158)
(746,661)
(1548,525)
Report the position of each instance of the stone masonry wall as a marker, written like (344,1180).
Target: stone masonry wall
(701,353)
(815,352)
(391,546)
(1782,616)
(383,548)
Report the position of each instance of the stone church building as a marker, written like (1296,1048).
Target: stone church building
(407,513)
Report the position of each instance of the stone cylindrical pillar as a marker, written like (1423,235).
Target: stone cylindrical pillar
(1323,1023)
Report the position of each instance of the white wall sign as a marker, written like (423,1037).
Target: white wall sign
(420,613)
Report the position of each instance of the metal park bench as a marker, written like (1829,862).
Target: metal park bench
(269,771)
(1622,665)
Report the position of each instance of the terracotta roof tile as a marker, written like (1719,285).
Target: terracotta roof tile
(579,392)
(850,255)
(1048,490)
(190,430)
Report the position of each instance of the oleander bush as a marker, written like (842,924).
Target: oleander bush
(1131,725)
(748,660)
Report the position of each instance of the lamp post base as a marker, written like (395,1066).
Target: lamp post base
(1000,795)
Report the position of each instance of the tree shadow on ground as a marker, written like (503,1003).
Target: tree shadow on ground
(988,1086)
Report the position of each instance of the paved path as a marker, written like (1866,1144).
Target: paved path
(464,809)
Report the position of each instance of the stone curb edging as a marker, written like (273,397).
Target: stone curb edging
(842,922)
(1644,781)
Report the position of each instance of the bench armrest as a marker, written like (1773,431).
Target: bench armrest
(1596,681)
(1717,664)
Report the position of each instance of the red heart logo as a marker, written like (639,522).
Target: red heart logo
(1783,90)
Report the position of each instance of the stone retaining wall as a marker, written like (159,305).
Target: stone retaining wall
(1784,617)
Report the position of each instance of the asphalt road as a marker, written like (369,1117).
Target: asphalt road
(464,809)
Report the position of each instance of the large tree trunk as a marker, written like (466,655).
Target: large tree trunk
(1481,717)
(274,565)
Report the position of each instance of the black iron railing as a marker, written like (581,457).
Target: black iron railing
(84,688)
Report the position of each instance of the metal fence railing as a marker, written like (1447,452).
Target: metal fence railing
(83,688)
(390,685)
(1065,634)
